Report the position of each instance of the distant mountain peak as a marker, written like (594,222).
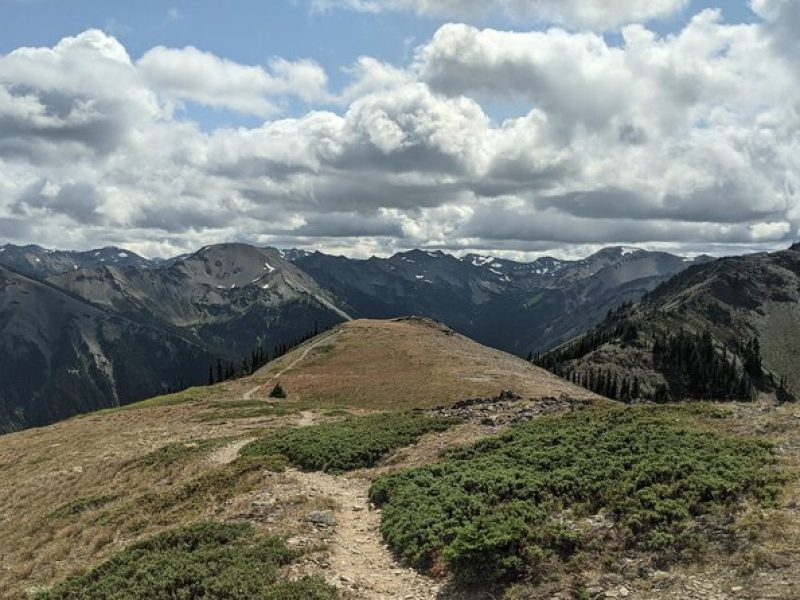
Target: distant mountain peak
(478,260)
(615,252)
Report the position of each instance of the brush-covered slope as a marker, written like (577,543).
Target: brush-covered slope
(188,492)
(727,329)
(231,297)
(401,363)
(60,356)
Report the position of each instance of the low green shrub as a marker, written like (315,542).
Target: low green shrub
(500,509)
(202,561)
(346,445)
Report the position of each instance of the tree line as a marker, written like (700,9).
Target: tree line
(691,363)
(586,344)
(258,357)
(694,368)
(606,383)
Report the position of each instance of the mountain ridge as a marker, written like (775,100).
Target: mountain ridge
(60,355)
(228,301)
(736,314)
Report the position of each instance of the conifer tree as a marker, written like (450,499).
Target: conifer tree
(277,391)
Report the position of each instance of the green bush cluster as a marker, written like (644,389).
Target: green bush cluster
(502,508)
(346,445)
(201,561)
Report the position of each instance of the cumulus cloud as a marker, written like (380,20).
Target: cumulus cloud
(576,13)
(202,77)
(684,140)
(342,224)
(62,96)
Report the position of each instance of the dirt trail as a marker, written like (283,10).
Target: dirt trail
(307,418)
(248,395)
(359,561)
(227,454)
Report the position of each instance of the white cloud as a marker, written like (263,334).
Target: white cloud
(782,22)
(605,15)
(202,77)
(57,103)
(370,75)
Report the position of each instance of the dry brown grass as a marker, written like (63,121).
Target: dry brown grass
(49,468)
(402,364)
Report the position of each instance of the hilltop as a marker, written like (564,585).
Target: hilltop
(399,364)
(392,442)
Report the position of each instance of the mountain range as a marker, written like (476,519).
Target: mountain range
(87,330)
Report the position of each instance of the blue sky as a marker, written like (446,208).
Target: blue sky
(463,132)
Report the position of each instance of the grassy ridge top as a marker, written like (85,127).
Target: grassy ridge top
(403,364)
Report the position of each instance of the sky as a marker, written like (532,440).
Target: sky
(365,127)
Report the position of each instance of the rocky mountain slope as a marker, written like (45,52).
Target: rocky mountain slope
(727,329)
(60,355)
(39,263)
(517,307)
(229,297)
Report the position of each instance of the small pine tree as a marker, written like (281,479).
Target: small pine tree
(277,391)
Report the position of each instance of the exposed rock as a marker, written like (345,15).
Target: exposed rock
(325,518)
